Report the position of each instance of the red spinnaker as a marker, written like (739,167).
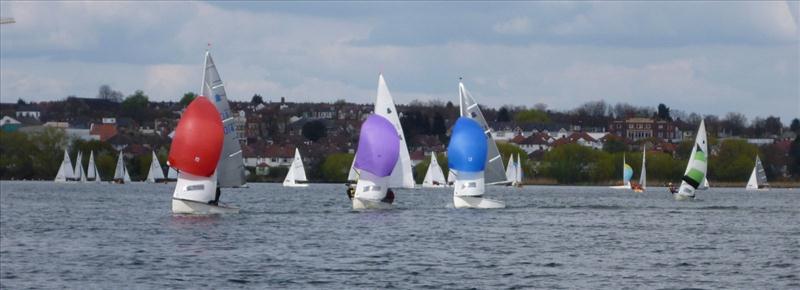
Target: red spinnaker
(197,143)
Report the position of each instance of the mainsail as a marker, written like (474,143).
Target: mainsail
(80,175)
(698,164)
(627,172)
(512,170)
(172,174)
(120,173)
(156,172)
(230,169)
(91,172)
(643,176)
(758,178)
(494,173)
(384,107)
(296,171)
(519,170)
(65,171)
(352,175)
(434,176)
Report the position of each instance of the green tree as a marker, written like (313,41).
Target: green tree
(135,106)
(614,145)
(336,166)
(256,99)
(570,163)
(735,160)
(17,152)
(531,116)
(314,130)
(187,99)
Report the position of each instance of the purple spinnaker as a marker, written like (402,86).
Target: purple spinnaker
(378,146)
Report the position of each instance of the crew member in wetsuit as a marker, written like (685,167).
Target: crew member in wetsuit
(216,198)
(389,196)
(351,191)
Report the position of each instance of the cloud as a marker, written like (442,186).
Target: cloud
(516,25)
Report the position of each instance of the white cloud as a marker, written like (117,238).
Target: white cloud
(516,25)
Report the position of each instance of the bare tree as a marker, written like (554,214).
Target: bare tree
(106,93)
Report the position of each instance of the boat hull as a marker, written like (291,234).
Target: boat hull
(620,187)
(361,203)
(683,197)
(476,202)
(184,206)
(285,184)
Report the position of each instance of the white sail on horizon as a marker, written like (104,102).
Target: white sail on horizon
(519,170)
(65,171)
(643,176)
(80,175)
(434,177)
(698,164)
(402,176)
(120,172)
(156,172)
(494,172)
(296,171)
(92,172)
(758,177)
(230,169)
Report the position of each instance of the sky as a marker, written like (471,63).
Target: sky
(703,57)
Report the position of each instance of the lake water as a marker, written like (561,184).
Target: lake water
(107,236)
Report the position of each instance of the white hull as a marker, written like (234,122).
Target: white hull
(620,187)
(286,184)
(683,197)
(360,203)
(183,206)
(757,189)
(433,186)
(476,202)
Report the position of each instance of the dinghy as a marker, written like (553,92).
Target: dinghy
(696,169)
(494,172)
(376,158)
(641,187)
(65,173)
(120,172)
(434,177)
(758,178)
(80,175)
(92,173)
(514,171)
(466,157)
(195,191)
(384,107)
(627,174)
(296,177)
(156,173)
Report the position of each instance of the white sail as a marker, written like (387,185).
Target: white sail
(494,172)
(230,169)
(695,172)
(91,171)
(451,177)
(519,171)
(511,169)
(172,174)
(156,172)
(352,175)
(434,176)
(65,171)
(80,175)
(120,172)
(643,176)
(127,177)
(758,178)
(296,171)
(384,106)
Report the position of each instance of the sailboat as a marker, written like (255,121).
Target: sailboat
(156,173)
(696,169)
(384,107)
(643,176)
(91,172)
(80,175)
(65,170)
(196,187)
(495,173)
(705,185)
(434,177)
(172,174)
(377,156)
(451,178)
(466,156)
(627,174)
(296,177)
(758,179)
(514,171)
(120,172)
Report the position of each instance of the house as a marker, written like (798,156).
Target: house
(417,157)
(636,129)
(535,142)
(104,131)
(30,111)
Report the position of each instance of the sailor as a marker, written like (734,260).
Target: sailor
(672,188)
(216,197)
(351,191)
(389,196)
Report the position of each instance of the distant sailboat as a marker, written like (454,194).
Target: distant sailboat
(296,177)
(643,177)
(758,178)
(451,178)
(172,174)
(80,175)
(514,171)
(65,170)
(705,185)
(384,107)
(466,157)
(434,176)
(627,174)
(120,172)
(156,172)
(378,153)
(91,172)
(696,169)
(494,173)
